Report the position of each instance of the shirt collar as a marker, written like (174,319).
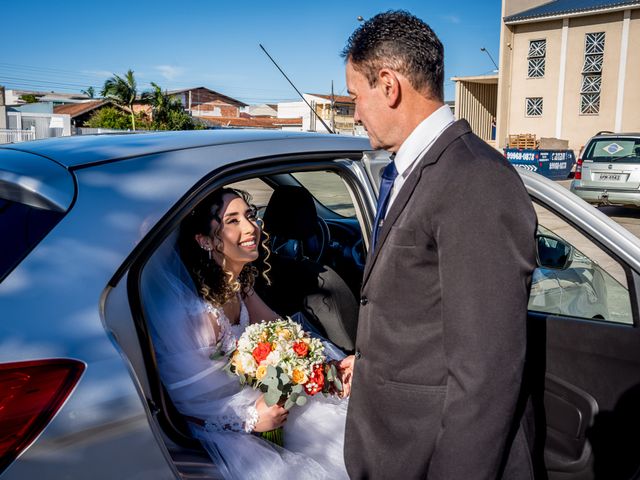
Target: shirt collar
(421,138)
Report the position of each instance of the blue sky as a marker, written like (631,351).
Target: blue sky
(67,46)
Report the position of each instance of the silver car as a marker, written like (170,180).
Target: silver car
(82,219)
(608,171)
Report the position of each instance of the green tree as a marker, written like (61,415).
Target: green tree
(29,98)
(167,112)
(109,117)
(89,92)
(123,91)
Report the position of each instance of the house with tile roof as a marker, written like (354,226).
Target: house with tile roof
(568,69)
(81,112)
(204,102)
(336,111)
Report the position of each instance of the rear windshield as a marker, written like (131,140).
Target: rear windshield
(22,227)
(619,150)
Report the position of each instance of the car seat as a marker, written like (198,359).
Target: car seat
(300,282)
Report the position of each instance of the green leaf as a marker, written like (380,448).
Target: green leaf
(301,400)
(296,389)
(271,397)
(289,403)
(338,384)
(284,378)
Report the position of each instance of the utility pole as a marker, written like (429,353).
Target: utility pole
(333,109)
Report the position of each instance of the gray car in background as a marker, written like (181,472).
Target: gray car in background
(608,171)
(82,218)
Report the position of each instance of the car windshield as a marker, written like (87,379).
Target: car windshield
(618,150)
(329,190)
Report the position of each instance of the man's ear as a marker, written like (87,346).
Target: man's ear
(389,83)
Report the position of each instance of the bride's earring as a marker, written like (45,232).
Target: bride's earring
(208,249)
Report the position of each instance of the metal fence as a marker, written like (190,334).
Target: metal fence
(13,136)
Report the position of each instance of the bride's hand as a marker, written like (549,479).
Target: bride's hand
(269,418)
(345,370)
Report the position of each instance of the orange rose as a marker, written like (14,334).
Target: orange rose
(301,349)
(262,350)
(298,376)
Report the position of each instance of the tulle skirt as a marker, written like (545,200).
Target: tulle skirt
(313,446)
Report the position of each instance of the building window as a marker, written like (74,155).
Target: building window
(592,73)
(536,56)
(534,107)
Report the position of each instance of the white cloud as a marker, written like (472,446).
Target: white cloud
(169,71)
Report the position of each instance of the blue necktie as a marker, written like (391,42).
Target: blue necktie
(389,175)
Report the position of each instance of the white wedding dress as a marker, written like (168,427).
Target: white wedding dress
(184,341)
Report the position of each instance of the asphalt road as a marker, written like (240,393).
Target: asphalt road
(629,218)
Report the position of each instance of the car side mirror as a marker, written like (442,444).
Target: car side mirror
(553,253)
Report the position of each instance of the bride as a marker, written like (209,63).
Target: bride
(212,300)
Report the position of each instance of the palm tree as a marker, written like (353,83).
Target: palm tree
(89,92)
(123,91)
(163,106)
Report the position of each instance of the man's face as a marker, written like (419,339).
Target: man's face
(371,108)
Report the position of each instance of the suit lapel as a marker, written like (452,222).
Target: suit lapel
(455,130)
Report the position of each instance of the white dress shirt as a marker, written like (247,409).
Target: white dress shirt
(417,144)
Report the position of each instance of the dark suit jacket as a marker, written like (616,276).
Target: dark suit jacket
(442,324)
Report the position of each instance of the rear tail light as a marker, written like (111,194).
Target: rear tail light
(30,395)
(578,174)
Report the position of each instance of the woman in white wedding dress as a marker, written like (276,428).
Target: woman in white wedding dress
(207,289)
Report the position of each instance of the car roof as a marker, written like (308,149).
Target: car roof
(603,135)
(81,150)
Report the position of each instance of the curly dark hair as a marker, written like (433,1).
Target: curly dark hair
(214,282)
(402,42)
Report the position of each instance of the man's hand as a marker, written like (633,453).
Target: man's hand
(345,370)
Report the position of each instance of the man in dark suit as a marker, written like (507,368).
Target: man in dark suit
(437,388)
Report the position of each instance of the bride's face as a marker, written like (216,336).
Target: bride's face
(239,233)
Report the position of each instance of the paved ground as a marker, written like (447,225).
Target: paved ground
(629,218)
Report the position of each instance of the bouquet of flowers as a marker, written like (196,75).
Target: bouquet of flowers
(285,363)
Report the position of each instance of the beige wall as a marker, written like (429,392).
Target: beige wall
(577,128)
(523,87)
(631,106)
(476,102)
(514,85)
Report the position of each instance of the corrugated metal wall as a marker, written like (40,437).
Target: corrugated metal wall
(477,103)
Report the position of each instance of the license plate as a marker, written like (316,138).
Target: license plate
(611,177)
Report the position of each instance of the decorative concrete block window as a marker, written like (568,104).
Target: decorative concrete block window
(534,106)
(592,73)
(535,58)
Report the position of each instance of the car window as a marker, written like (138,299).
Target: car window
(260,192)
(329,189)
(593,285)
(23,226)
(618,150)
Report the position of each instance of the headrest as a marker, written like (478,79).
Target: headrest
(291,213)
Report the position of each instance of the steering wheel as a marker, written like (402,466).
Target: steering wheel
(358,255)
(315,246)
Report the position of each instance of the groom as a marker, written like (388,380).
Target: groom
(437,387)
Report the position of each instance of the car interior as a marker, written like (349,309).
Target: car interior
(583,361)
(315,265)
